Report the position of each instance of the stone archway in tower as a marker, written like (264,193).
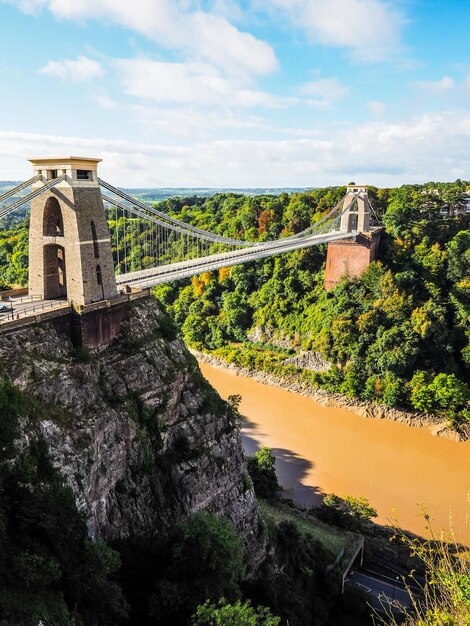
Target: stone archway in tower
(55,285)
(53,222)
(353,222)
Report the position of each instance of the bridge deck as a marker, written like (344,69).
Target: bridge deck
(25,306)
(185,269)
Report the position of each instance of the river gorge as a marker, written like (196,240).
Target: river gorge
(320,450)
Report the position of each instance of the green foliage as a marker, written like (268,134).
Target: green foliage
(11,407)
(207,553)
(262,470)
(14,255)
(409,312)
(442,393)
(81,355)
(165,579)
(458,251)
(445,598)
(293,583)
(349,513)
(238,614)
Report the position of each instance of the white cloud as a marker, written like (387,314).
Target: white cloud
(172,24)
(429,147)
(103,99)
(369,29)
(192,124)
(436,86)
(324,91)
(189,83)
(376,107)
(81,69)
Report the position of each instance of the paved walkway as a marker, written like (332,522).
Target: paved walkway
(24,306)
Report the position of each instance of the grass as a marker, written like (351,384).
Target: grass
(333,539)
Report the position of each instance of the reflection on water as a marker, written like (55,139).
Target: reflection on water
(330,450)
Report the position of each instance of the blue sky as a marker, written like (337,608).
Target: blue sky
(238,93)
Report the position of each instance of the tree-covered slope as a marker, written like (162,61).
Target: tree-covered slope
(400,335)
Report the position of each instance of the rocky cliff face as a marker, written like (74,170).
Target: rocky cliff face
(140,436)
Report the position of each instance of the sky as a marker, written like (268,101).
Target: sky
(238,93)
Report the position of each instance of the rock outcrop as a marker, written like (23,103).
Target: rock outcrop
(140,436)
(273,336)
(310,360)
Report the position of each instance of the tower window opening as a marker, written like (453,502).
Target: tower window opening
(99,276)
(353,221)
(51,174)
(95,240)
(53,222)
(84,175)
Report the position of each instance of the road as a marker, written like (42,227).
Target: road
(381,594)
(25,306)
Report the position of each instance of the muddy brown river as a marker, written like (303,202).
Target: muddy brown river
(332,450)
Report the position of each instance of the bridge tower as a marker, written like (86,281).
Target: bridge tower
(352,258)
(69,242)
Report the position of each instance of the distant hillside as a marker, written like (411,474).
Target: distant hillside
(163,193)
(5,185)
(155,194)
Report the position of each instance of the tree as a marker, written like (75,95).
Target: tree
(350,513)
(262,470)
(207,554)
(458,251)
(442,394)
(238,614)
(403,210)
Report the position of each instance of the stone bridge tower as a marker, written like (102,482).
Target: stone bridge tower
(69,242)
(352,258)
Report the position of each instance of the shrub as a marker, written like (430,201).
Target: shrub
(238,614)
(445,597)
(262,470)
(350,513)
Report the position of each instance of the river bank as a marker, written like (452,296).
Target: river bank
(437,426)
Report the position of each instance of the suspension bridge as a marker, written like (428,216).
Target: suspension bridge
(90,241)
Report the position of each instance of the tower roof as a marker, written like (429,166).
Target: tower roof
(74,162)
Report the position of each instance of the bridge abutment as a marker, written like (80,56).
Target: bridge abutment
(88,326)
(350,258)
(98,324)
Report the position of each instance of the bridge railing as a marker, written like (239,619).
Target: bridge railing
(12,314)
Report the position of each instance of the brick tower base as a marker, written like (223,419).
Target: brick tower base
(350,258)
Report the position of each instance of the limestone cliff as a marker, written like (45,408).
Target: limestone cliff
(140,436)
